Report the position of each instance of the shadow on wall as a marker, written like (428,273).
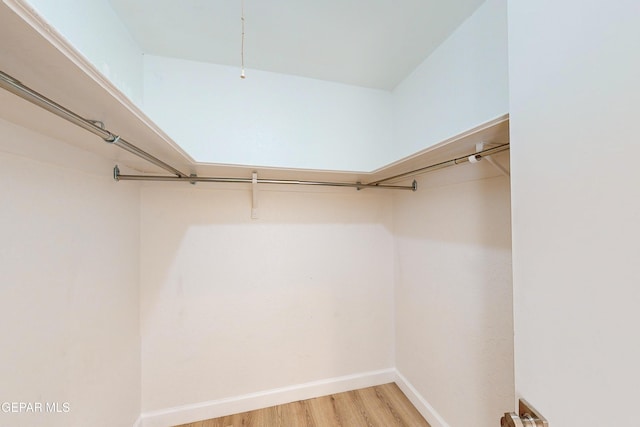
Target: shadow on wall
(232,306)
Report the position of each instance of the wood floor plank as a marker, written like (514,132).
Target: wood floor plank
(350,410)
(296,414)
(322,412)
(374,404)
(400,405)
(379,406)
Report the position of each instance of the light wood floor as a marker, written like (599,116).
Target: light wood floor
(380,406)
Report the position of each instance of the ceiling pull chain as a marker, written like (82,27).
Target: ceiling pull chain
(242,76)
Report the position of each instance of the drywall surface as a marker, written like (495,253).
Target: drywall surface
(576,231)
(95,30)
(461,85)
(267,119)
(453,298)
(68,287)
(232,306)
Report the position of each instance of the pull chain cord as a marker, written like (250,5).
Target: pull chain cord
(242,76)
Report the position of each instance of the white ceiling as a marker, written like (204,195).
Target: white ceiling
(371,43)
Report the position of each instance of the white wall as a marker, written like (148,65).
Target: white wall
(68,285)
(268,119)
(461,85)
(232,306)
(95,30)
(279,120)
(574,121)
(454,328)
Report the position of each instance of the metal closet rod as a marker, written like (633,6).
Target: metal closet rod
(17,88)
(194,179)
(477,156)
(457,161)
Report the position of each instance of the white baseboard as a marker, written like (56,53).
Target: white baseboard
(421,404)
(248,402)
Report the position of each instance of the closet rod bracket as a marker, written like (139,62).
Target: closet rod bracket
(112,139)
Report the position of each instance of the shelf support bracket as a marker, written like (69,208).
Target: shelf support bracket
(492,162)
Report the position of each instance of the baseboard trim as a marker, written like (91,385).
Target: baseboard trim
(421,404)
(248,402)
